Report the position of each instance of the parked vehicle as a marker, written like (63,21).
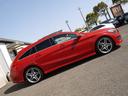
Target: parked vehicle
(121,20)
(114,21)
(60,49)
(125,17)
(102,26)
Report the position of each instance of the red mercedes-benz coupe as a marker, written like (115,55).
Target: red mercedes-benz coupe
(60,49)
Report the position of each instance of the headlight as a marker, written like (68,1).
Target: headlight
(113,30)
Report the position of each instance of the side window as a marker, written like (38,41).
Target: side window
(29,52)
(59,39)
(126,16)
(25,54)
(63,38)
(43,45)
(40,46)
(72,36)
(33,50)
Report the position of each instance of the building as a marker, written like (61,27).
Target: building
(8,50)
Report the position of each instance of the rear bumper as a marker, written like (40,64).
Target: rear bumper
(8,77)
(15,76)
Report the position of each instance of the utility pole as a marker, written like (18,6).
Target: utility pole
(68,25)
(83,17)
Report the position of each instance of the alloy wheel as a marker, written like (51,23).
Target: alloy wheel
(33,75)
(105,45)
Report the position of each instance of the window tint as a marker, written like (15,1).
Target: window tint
(33,50)
(126,16)
(97,27)
(72,36)
(59,38)
(43,45)
(25,54)
(63,38)
(29,52)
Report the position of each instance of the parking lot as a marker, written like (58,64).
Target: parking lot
(95,76)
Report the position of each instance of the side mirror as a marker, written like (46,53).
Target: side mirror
(79,36)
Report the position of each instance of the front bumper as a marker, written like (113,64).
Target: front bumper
(118,40)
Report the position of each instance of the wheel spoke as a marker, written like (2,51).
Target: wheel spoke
(31,78)
(105,40)
(106,48)
(32,70)
(36,77)
(28,74)
(109,44)
(101,43)
(102,47)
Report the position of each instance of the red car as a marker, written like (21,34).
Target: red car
(60,49)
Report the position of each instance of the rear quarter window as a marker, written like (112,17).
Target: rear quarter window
(43,45)
(29,52)
(25,54)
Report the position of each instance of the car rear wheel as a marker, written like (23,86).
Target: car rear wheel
(104,45)
(33,75)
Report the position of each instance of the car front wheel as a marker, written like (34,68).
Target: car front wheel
(33,75)
(104,45)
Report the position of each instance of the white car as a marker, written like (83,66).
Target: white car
(102,26)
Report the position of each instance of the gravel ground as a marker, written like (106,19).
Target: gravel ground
(96,76)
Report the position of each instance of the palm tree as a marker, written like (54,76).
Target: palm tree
(92,18)
(78,30)
(104,6)
(102,9)
(120,1)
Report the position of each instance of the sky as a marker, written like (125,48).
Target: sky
(30,20)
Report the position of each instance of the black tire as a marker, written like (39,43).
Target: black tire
(104,47)
(33,75)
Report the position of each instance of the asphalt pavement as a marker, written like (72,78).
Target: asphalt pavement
(95,76)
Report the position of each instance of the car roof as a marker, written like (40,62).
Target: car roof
(42,39)
(54,34)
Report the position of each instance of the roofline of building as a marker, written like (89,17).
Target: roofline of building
(4,40)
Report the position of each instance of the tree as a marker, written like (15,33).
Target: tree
(120,1)
(102,9)
(78,30)
(92,18)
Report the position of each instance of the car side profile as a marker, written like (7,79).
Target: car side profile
(113,21)
(60,49)
(102,26)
